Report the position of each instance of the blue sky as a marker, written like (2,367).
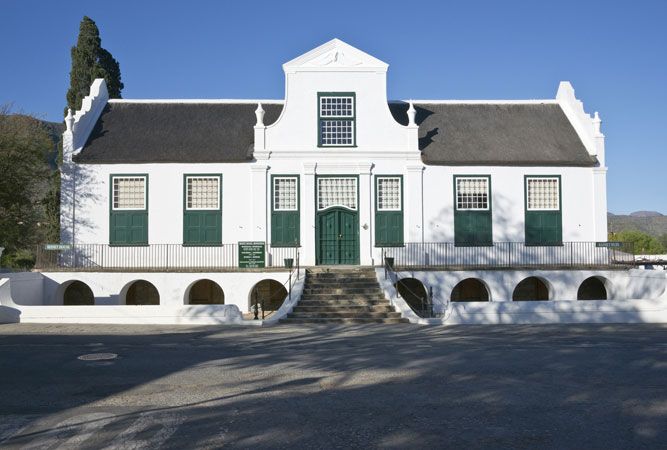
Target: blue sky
(612,52)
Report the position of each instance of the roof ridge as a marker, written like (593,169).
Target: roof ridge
(195,101)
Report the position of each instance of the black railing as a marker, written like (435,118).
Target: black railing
(152,258)
(424,307)
(512,255)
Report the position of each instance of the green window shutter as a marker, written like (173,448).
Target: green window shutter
(544,228)
(202,228)
(473,218)
(285,215)
(202,209)
(388,210)
(128,209)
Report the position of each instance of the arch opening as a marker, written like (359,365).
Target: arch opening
(592,288)
(415,295)
(269,295)
(205,292)
(141,292)
(531,289)
(470,290)
(78,293)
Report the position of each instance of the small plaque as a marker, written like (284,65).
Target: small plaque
(609,244)
(57,246)
(252,254)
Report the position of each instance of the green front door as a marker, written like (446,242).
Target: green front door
(337,236)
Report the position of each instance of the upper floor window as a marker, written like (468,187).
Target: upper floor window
(129,192)
(202,192)
(472,193)
(337,117)
(543,193)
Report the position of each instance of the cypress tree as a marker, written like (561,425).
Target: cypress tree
(90,61)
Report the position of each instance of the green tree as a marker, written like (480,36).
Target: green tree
(24,148)
(90,61)
(644,244)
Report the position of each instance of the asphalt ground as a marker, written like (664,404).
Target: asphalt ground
(382,386)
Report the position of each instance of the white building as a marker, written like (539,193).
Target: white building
(340,174)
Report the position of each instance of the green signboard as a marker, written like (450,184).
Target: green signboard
(57,246)
(609,244)
(252,254)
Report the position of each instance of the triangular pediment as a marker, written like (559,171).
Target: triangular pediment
(334,55)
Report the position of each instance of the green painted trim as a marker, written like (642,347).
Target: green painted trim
(353,118)
(298,209)
(317,231)
(488,211)
(111,210)
(526,212)
(186,211)
(401,211)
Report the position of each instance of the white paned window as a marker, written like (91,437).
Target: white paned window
(285,194)
(388,193)
(129,192)
(543,194)
(472,193)
(203,192)
(337,120)
(336,191)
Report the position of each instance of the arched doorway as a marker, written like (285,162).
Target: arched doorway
(470,290)
(531,289)
(78,293)
(269,294)
(415,295)
(592,288)
(205,292)
(141,292)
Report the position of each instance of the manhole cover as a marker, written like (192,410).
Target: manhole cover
(97,356)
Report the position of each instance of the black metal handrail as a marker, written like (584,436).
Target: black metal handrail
(426,303)
(512,255)
(294,268)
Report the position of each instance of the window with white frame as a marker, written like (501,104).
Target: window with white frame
(337,120)
(202,192)
(543,194)
(129,193)
(336,191)
(285,194)
(388,193)
(472,193)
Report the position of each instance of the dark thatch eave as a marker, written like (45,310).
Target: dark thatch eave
(496,134)
(174,133)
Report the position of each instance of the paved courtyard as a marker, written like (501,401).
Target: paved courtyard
(396,386)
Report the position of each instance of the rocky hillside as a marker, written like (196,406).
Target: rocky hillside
(650,222)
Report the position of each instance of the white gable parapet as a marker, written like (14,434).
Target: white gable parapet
(587,127)
(336,68)
(81,124)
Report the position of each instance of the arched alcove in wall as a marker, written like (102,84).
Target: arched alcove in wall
(140,292)
(470,290)
(270,294)
(414,293)
(593,288)
(204,292)
(531,289)
(77,293)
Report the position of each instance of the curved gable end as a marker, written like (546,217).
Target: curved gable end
(518,134)
(146,132)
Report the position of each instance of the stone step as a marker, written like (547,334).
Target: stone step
(341,290)
(358,282)
(341,308)
(335,275)
(344,303)
(346,315)
(294,320)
